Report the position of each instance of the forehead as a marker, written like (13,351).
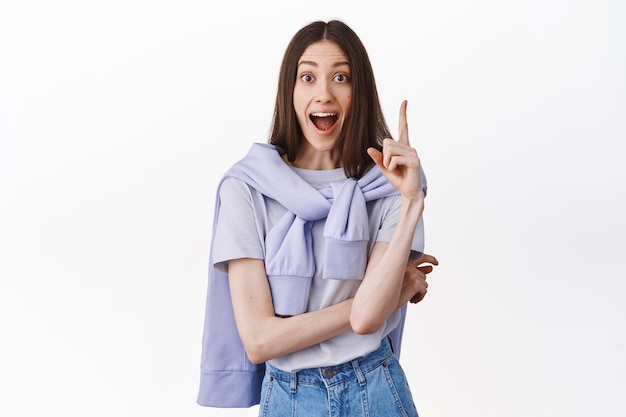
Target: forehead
(323,51)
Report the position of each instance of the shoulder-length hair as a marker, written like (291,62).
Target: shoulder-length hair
(364,125)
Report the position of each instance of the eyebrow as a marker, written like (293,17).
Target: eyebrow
(314,64)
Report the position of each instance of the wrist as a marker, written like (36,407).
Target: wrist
(413,205)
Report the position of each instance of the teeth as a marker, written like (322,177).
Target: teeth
(322,114)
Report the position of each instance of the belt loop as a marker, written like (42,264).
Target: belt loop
(357,370)
(293,382)
(390,344)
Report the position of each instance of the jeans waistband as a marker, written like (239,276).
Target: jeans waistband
(332,375)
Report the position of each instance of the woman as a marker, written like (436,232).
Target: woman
(311,239)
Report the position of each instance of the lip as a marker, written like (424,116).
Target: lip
(323,113)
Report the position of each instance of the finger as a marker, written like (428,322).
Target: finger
(418,297)
(403,127)
(426,269)
(401,161)
(426,258)
(387,152)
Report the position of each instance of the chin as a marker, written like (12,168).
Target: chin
(324,145)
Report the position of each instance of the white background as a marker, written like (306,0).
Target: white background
(117,119)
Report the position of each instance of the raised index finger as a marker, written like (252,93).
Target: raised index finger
(403,127)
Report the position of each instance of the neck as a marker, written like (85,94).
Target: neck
(309,158)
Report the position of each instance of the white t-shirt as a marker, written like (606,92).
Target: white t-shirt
(245,218)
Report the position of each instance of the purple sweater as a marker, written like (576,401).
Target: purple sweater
(228,378)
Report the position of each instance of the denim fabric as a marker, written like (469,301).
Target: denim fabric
(371,386)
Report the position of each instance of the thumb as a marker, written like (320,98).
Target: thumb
(376,156)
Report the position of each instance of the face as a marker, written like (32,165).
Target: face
(322,94)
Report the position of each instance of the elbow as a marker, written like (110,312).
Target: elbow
(256,351)
(254,357)
(257,360)
(365,325)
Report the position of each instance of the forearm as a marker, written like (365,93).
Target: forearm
(272,336)
(378,294)
(266,336)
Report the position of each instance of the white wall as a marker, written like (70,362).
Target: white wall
(117,119)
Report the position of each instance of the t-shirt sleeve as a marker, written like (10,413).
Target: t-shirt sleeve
(236,231)
(389,222)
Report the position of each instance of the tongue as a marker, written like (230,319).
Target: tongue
(324,123)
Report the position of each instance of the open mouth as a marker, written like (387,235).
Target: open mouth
(323,121)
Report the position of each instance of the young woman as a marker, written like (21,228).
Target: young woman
(317,247)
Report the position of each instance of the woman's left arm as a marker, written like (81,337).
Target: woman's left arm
(379,293)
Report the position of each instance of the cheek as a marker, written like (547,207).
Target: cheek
(348,104)
(348,96)
(297,97)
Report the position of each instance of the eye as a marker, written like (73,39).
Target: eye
(342,78)
(307,78)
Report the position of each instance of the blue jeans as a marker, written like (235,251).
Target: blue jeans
(370,386)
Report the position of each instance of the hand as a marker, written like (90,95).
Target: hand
(399,162)
(414,286)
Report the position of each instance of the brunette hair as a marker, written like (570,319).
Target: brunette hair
(363,127)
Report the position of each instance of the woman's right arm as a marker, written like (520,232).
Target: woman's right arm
(266,336)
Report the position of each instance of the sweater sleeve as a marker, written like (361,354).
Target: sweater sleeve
(236,228)
(227,378)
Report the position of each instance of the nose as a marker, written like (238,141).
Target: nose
(322,92)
